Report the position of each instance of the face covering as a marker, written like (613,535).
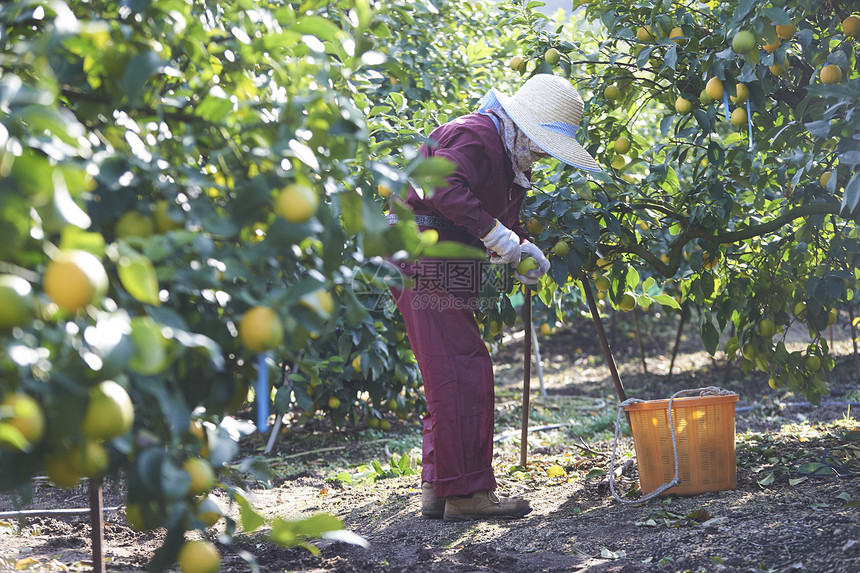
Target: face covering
(522,150)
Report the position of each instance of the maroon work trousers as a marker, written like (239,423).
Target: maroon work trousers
(459,387)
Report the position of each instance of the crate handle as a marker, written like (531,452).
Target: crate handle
(675,481)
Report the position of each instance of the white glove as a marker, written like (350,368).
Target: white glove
(504,244)
(531,277)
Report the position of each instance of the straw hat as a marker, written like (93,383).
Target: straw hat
(548,110)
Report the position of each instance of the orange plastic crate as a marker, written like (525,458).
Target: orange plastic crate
(705,431)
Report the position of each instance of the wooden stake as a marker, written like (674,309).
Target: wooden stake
(97,525)
(604,343)
(527,371)
(639,341)
(684,310)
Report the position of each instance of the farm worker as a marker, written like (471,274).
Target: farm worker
(492,150)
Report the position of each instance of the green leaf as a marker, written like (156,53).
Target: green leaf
(137,276)
(667,300)
(317,525)
(248,516)
(140,68)
(453,250)
(317,26)
(431,173)
(814,468)
(710,337)
(767,480)
(150,347)
(852,196)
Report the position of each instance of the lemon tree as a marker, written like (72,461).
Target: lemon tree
(189,196)
(741,194)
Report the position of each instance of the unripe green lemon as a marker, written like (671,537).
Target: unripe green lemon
(627,302)
(622,145)
(612,93)
(526,265)
(743,42)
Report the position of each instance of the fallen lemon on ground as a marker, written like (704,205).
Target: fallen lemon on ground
(555,471)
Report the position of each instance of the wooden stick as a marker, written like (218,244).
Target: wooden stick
(71,512)
(684,310)
(854,337)
(538,361)
(639,341)
(527,370)
(601,335)
(97,525)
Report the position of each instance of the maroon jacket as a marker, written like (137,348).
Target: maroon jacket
(481,189)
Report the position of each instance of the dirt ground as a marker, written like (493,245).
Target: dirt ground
(798,472)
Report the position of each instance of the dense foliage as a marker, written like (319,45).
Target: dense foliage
(192,195)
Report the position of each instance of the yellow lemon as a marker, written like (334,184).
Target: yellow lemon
(714,89)
(296,203)
(851,26)
(742,94)
(683,106)
(109,413)
(785,31)
(208,511)
(777,69)
(75,279)
(830,74)
(199,556)
(202,475)
(134,224)
(772,47)
(555,471)
(260,329)
(739,117)
(644,34)
(21,415)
